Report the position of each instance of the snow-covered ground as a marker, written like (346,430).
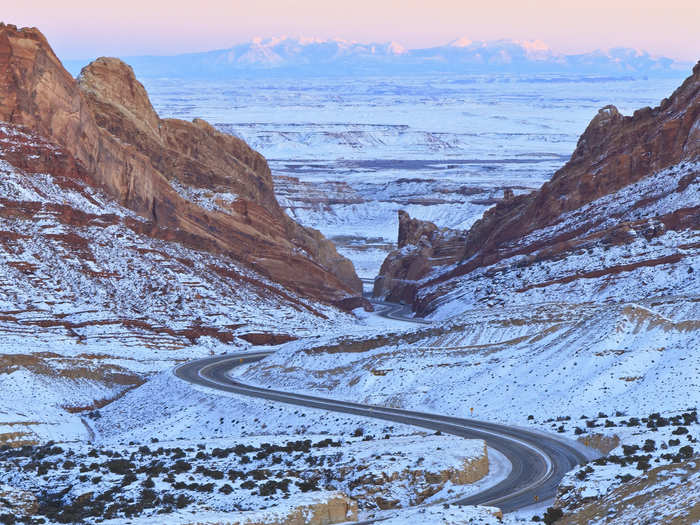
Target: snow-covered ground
(440,147)
(171,445)
(504,361)
(74,336)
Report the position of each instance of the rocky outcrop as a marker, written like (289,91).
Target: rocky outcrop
(194,185)
(17,503)
(665,494)
(330,508)
(422,245)
(379,488)
(614,153)
(411,231)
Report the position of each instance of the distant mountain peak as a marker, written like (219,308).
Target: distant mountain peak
(461,42)
(318,56)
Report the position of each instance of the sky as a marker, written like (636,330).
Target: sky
(86,28)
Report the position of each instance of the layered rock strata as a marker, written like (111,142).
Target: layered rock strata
(195,185)
(630,180)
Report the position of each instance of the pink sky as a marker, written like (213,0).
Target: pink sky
(77,28)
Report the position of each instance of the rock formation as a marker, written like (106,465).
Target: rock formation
(333,507)
(615,152)
(421,246)
(17,503)
(195,185)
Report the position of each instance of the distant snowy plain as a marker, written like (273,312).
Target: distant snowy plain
(347,153)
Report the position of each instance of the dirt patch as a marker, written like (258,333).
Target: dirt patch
(258,339)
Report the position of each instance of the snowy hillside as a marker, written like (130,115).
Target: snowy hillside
(91,305)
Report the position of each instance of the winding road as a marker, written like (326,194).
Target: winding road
(538,460)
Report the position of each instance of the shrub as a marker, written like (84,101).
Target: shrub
(180,466)
(119,466)
(307,485)
(686,452)
(268,488)
(628,450)
(649,445)
(128,479)
(643,464)
(625,477)
(182,501)
(552,515)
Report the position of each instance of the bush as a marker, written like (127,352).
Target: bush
(182,501)
(307,485)
(628,450)
(583,473)
(119,466)
(643,464)
(686,452)
(625,477)
(649,445)
(552,515)
(268,488)
(180,466)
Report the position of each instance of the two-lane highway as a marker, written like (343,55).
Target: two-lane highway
(538,460)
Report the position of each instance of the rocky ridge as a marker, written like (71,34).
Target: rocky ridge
(195,185)
(630,181)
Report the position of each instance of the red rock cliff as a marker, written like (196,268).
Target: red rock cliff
(198,186)
(614,152)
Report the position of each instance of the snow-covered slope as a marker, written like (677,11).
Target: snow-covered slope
(619,220)
(91,303)
(346,155)
(503,361)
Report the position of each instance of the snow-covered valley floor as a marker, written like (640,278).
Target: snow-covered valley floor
(348,153)
(94,424)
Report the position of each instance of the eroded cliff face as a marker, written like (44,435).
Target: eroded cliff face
(421,246)
(573,211)
(195,185)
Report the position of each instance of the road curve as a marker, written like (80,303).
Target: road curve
(398,312)
(538,460)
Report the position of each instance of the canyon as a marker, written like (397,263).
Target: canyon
(630,182)
(548,291)
(106,123)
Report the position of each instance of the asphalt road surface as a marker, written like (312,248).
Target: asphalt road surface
(538,460)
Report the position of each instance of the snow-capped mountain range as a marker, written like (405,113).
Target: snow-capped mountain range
(337,56)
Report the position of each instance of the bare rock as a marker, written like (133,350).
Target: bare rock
(18,503)
(613,152)
(333,508)
(117,142)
